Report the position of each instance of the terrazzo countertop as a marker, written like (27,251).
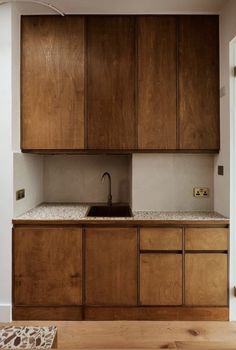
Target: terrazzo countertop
(76,213)
(21,337)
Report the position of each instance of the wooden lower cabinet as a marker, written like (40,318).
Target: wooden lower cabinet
(47,266)
(206,279)
(65,272)
(111,266)
(161,279)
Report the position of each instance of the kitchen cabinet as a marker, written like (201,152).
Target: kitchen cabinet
(111,82)
(111,266)
(157,82)
(206,266)
(206,279)
(161,265)
(120,83)
(52,83)
(47,266)
(161,279)
(198,83)
(120,270)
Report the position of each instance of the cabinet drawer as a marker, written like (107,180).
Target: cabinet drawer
(159,238)
(206,239)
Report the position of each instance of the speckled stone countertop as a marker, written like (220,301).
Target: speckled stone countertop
(76,213)
(21,337)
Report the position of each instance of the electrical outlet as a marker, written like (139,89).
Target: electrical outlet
(20,194)
(201,192)
(220,170)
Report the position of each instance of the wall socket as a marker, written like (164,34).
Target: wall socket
(220,170)
(20,194)
(201,192)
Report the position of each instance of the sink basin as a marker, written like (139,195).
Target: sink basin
(110,211)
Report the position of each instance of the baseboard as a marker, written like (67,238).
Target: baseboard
(157,313)
(5,313)
(47,313)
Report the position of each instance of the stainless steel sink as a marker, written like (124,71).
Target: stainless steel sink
(110,211)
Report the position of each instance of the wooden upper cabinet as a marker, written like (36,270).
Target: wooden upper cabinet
(198,101)
(120,83)
(111,266)
(52,75)
(111,82)
(47,266)
(157,78)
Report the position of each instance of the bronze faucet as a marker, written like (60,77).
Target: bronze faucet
(109,197)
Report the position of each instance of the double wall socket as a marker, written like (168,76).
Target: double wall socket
(201,192)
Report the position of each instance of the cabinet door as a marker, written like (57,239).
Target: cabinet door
(111,266)
(198,82)
(161,279)
(157,81)
(111,82)
(206,279)
(47,266)
(52,74)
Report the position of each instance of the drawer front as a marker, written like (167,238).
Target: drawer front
(206,239)
(158,238)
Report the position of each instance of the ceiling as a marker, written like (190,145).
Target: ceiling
(128,6)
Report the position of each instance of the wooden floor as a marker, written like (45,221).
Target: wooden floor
(143,335)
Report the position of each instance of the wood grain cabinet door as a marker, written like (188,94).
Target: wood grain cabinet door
(206,279)
(111,82)
(52,82)
(111,266)
(157,82)
(161,279)
(198,100)
(47,266)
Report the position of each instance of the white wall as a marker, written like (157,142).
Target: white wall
(27,168)
(166,181)
(28,174)
(223,188)
(6,161)
(222,183)
(139,6)
(77,178)
(15,38)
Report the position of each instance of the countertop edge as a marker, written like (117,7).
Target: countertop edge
(134,222)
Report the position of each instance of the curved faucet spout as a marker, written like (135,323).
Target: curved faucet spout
(109,197)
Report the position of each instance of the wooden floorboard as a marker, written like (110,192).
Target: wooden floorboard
(142,335)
